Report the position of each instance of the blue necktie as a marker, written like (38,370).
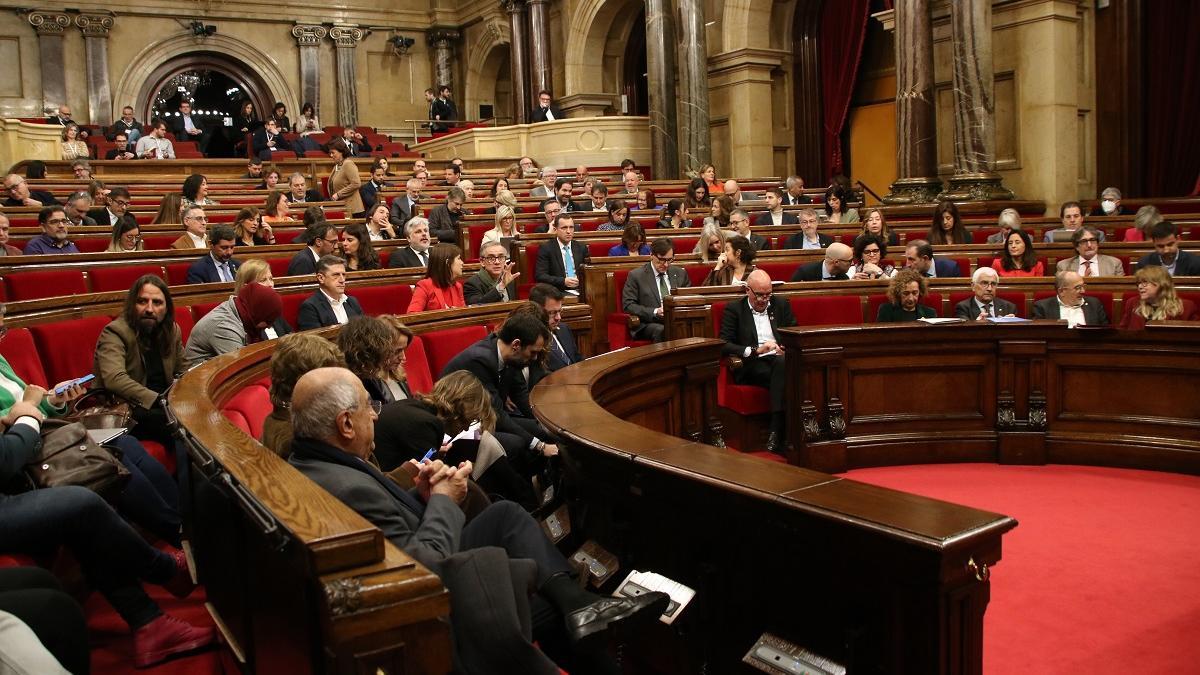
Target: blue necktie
(223,272)
(569,260)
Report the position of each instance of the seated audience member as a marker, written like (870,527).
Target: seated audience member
(905,293)
(600,200)
(557,260)
(711,243)
(502,198)
(836,211)
(299,192)
(195,191)
(1146,217)
(416,254)
(271,177)
(581,173)
(219,264)
(633,242)
(155,145)
(121,150)
(505,228)
(630,182)
(647,200)
(739,222)
(442,287)
(468,188)
(77,206)
(126,236)
(734,264)
(1088,260)
(564,189)
(876,224)
(1110,204)
(35,170)
(647,286)
(1070,304)
(1072,219)
(1157,300)
(53,239)
(528,167)
(100,199)
(374,347)
(697,195)
(795,192)
(808,238)
(550,210)
(984,282)
(749,330)
(268,142)
(307,123)
(838,258)
(127,126)
(279,116)
(275,210)
(775,214)
(6,249)
(443,219)
(947,226)
(547,177)
(187,128)
(195,229)
(328,305)
(869,252)
(295,355)
(334,431)
(140,354)
(233,324)
(81,169)
(72,147)
(250,230)
(1018,259)
(257,271)
(617,218)
(1166,252)
(495,281)
(708,176)
(372,188)
(322,240)
(562,349)
(732,190)
(254,168)
(42,628)
(672,218)
(919,255)
(170,210)
(722,208)
(357,249)
(19,193)
(1008,221)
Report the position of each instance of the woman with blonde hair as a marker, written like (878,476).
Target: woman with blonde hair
(1157,300)
(711,244)
(876,224)
(506,227)
(170,209)
(72,147)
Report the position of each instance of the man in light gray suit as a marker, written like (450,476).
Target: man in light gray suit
(548,176)
(1088,261)
(646,287)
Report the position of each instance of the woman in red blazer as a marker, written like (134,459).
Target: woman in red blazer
(1156,301)
(442,287)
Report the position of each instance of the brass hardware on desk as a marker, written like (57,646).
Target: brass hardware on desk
(980,571)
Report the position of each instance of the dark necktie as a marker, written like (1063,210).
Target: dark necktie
(987,309)
(424,258)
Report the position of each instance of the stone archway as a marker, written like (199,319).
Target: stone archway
(597,30)
(487,69)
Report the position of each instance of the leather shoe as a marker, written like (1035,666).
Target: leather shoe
(586,625)
(773,443)
(166,637)
(180,585)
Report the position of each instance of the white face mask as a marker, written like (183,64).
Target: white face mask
(1109,206)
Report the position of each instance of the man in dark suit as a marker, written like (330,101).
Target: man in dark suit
(443,219)
(404,207)
(299,191)
(775,214)
(546,110)
(558,260)
(919,255)
(371,189)
(63,118)
(562,350)
(985,304)
(495,281)
(329,305)
(448,105)
(1070,303)
(808,238)
(19,193)
(219,264)
(739,220)
(1167,253)
(334,428)
(648,286)
(268,140)
(564,188)
(187,128)
(322,240)
(416,254)
(121,148)
(749,331)
(838,257)
(795,192)
(437,111)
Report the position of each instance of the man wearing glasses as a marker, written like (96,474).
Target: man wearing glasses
(1070,304)
(322,241)
(53,239)
(984,282)
(19,193)
(647,287)
(117,204)
(749,331)
(195,226)
(495,281)
(1088,261)
(739,220)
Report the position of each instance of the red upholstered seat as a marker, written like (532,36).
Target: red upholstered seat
(443,345)
(618,320)
(91,244)
(177,272)
(278,266)
(238,420)
(121,277)
(416,367)
(44,284)
(157,451)
(827,310)
(779,271)
(253,403)
(185,320)
(291,306)
(376,300)
(741,398)
(475,239)
(18,349)
(158,242)
(201,308)
(599,249)
(67,348)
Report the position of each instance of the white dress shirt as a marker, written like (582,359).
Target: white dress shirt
(197,240)
(339,307)
(1073,314)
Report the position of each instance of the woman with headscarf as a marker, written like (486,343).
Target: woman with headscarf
(235,323)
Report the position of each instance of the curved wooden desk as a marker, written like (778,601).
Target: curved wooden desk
(876,579)
(1027,393)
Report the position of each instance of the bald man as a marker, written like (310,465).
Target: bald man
(833,268)
(1070,303)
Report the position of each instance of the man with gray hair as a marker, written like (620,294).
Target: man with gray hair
(795,192)
(1070,304)
(985,304)
(548,176)
(443,219)
(495,281)
(416,254)
(405,206)
(1110,204)
(78,205)
(333,425)
(299,192)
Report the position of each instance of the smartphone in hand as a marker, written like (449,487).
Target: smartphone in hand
(74,383)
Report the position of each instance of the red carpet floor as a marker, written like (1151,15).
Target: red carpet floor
(1101,575)
(112,643)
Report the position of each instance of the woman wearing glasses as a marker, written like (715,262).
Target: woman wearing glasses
(1156,301)
(869,250)
(506,228)
(126,236)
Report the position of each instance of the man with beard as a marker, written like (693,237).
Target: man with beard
(53,239)
(140,353)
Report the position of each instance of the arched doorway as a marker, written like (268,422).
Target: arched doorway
(636,87)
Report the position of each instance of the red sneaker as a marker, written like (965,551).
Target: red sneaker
(165,637)
(180,585)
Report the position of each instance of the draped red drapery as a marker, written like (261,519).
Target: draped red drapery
(843,30)
(1172,97)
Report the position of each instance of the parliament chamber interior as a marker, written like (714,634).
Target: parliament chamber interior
(599,336)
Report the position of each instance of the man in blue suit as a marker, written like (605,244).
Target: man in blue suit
(562,350)
(219,264)
(920,257)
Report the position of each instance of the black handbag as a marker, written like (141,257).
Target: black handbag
(70,457)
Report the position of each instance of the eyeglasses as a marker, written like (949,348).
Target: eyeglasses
(762,296)
(495,258)
(871,251)
(329,241)
(203,219)
(120,202)
(1089,240)
(57,221)
(376,406)
(665,260)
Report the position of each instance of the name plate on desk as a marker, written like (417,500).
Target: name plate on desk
(777,656)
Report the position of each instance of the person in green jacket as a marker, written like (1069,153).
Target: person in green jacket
(905,293)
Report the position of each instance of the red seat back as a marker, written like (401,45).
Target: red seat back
(779,271)
(416,367)
(291,306)
(619,277)
(44,284)
(475,238)
(177,272)
(18,349)
(376,300)
(697,273)
(158,242)
(68,348)
(201,308)
(92,244)
(443,345)
(825,310)
(278,266)
(121,277)
(598,249)
(253,404)
(185,320)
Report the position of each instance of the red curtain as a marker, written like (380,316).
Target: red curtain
(1172,101)
(843,29)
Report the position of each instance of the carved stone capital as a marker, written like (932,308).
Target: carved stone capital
(346,36)
(914,191)
(344,595)
(49,23)
(497,29)
(309,36)
(513,6)
(95,25)
(972,187)
(442,37)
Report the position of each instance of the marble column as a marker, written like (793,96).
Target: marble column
(695,146)
(660,76)
(916,131)
(974,105)
(346,38)
(308,39)
(442,40)
(50,26)
(539,47)
(95,29)
(516,61)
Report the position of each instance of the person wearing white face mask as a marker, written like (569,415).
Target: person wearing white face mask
(1110,204)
